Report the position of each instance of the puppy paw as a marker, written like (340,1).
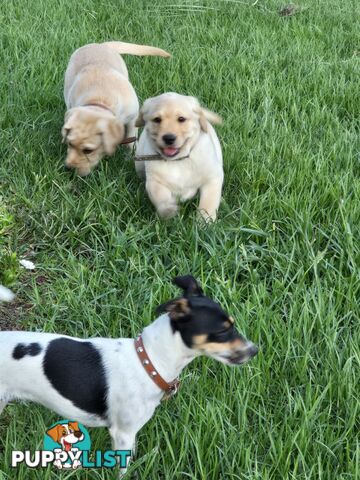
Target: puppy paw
(167,212)
(207,217)
(83,172)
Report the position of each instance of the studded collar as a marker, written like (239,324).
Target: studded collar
(169,388)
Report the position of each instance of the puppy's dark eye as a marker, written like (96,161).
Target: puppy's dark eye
(87,151)
(157,120)
(181,119)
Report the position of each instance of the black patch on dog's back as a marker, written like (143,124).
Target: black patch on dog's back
(76,371)
(21,350)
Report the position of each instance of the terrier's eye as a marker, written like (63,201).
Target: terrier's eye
(87,151)
(181,119)
(223,333)
(157,120)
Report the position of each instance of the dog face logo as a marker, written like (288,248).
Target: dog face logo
(68,440)
(66,435)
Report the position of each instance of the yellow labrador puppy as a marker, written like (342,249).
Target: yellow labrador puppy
(179,154)
(102,104)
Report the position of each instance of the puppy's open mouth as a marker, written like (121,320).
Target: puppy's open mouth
(170,151)
(67,446)
(238,360)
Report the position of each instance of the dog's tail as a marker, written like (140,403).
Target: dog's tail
(133,49)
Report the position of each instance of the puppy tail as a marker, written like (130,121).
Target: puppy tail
(133,49)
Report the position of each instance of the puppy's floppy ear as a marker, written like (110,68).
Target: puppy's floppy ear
(189,284)
(54,433)
(68,123)
(65,132)
(140,122)
(205,116)
(177,308)
(112,133)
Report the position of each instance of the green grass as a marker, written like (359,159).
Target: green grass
(283,258)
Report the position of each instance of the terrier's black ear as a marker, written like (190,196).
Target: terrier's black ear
(189,285)
(177,308)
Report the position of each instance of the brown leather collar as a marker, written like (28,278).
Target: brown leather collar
(147,158)
(169,388)
(159,156)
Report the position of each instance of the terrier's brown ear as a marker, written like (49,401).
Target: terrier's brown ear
(177,308)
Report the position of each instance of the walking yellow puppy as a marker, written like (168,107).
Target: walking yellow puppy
(102,104)
(179,154)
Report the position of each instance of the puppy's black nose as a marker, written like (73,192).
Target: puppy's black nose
(78,434)
(67,168)
(169,138)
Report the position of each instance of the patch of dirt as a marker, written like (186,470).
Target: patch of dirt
(289,10)
(12,313)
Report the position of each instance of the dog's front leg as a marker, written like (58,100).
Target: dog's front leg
(162,198)
(210,196)
(123,441)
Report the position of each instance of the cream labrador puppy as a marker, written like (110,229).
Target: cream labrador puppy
(179,154)
(102,104)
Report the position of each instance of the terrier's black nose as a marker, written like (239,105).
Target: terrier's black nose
(77,433)
(169,138)
(253,350)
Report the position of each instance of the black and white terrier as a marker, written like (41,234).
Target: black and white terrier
(118,383)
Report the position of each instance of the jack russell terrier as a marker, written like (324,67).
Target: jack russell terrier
(118,383)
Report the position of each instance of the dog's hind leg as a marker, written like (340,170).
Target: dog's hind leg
(3,404)
(3,398)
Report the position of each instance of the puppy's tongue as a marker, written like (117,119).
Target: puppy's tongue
(67,446)
(170,151)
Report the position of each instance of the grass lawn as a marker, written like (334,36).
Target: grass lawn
(283,258)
